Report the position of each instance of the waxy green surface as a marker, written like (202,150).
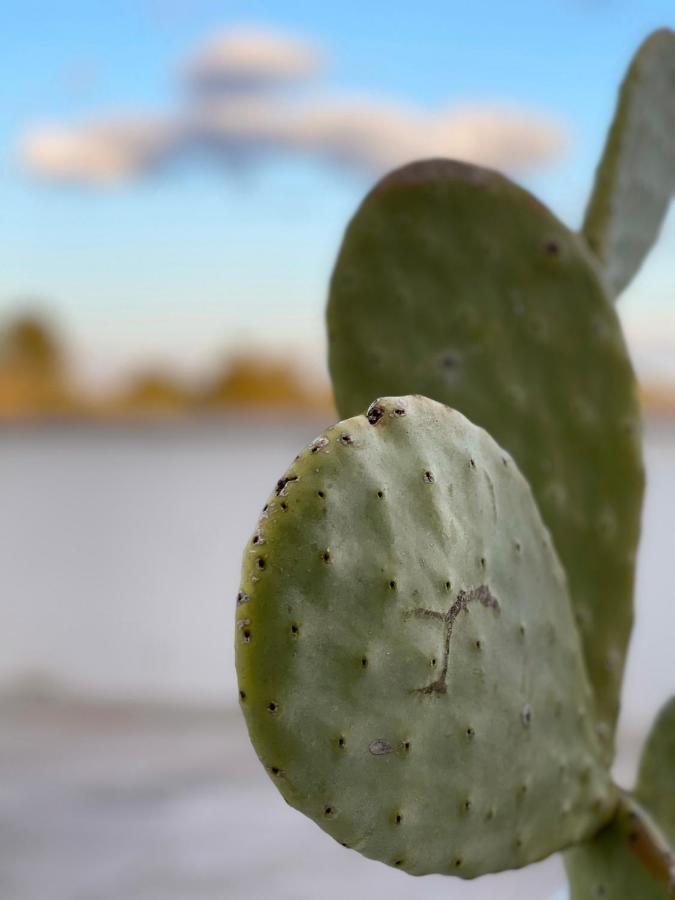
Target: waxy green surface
(635,180)
(408,663)
(454,283)
(618,864)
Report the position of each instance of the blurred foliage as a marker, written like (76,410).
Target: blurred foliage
(35,382)
(33,378)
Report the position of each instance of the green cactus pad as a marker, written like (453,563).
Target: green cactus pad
(407,658)
(630,859)
(454,283)
(635,180)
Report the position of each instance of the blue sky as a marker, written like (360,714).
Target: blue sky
(182,265)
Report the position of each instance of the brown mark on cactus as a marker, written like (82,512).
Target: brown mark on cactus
(282,482)
(484,596)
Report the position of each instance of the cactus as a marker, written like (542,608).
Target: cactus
(636,176)
(403,622)
(621,862)
(457,284)
(430,644)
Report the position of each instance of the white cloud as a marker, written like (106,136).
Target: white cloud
(252,58)
(365,133)
(375,135)
(101,152)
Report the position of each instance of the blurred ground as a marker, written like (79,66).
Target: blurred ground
(100,801)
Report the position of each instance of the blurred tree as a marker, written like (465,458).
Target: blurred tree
(153,393)
(248,381)
(33,379)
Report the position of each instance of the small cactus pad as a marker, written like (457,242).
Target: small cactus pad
(407,658)
(635,180)
(630,859)
(454,283)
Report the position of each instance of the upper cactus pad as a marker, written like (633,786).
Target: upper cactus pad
(636,176)
(457,284)
(620,863)
(408,663)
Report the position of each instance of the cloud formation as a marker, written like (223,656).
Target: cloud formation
(233,112)
(246,58)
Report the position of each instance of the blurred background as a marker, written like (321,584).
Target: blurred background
(175,178)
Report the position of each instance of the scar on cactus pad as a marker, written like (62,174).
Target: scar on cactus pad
(467,708)
(430,645)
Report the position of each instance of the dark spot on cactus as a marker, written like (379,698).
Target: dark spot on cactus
(380,747)
(374,414)
(346,439)
(284,506)
(489,815)
(364,662)
(472,463)
(398,863)
(459,862)
(275,771)
(246,636)
(325,556)
(380,494)
(406,746)
(467,805)
(447,585)
(266,507)
(342,844)
(521,629)
(522,790)
(328,812)
(392,585)
(318,444)
(429,477)
(518,546)
(341,742)
(272,706)
(483,595)
(433,662)
(282,482)
(321,494)
(295,631)
(505,461)
(599,890)
(242,597)
(398,818)
(399,411)
(552,248)
(260,562)
(449,361)
(256,538)
(478,645)
(526,715)
(482,562)
(518,843)
(242,695)
(470,732)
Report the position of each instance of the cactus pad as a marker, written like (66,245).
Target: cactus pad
(454,283)
(408,663)
(624,862)
(635,180)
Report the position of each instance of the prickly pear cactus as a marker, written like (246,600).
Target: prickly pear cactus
(635,180)
(630,859)
(408,663)
(455,283)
